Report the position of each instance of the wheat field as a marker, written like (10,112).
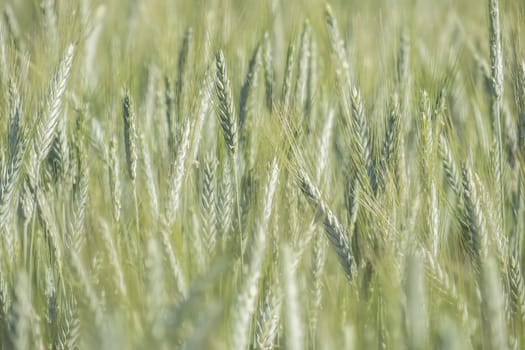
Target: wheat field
(277,174)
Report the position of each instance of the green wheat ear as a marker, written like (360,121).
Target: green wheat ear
(223,91)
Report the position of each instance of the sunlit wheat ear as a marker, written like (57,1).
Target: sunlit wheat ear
(209,203)
(316,271)
(226,113)
(288,75)
(89,293)
(130,134)
(496,51)
(445,285)
(268,320)
(360,139)
(473,218)
(47,120)
(225,204)
(114,178)
(151,183)
(333,229)
(352,193)
(389,160)
(449,165)
(246,299)
(324,143)
(177,172)
(58,159)
(303,63)
(11,173)
(313,90)
(15,106)
(79,207)
(69,333)
(426,148)
(174,264)
(496,63)
(114,259)
(337,46)
(516,288)
(205,102)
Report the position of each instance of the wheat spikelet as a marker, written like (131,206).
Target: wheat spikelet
(268,70)
(174,264)
(449,165)
(312,84)
(209,203)
(184,55)
(324,143)
(68,337)
(114,178)
(516,288)
(268,321)
(203,110)
(303,67)
(10,177)
(474,219)
(496,51)
(225,204)
(332,227)
(114,259)
(249,85)
(224,95)
(245,305)
(130,135)
(496,66)
(13,131)
(288,75)
(390,151)
(317,269)
(151,184)
(80,201)
(361,141)
(338,50)
(176,176)
(47,122)
(445,285)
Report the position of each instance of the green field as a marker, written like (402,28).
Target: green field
(276,174)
